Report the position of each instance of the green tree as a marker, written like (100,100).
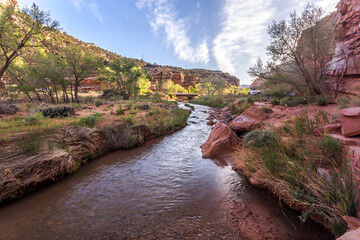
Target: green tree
(124,75)
(212,86)
(19,30)
(299,51)
(50,71)
(172,88)
(79,65)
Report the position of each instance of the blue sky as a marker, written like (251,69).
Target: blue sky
(228,35)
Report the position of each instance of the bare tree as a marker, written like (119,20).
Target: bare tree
(300,50)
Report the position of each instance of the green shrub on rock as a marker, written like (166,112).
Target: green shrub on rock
(261,138)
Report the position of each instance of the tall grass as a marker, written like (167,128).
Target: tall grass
(311,172)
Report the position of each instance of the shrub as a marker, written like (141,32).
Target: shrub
(189,106)
(59,111)
(127,120)
(240,101)
(262,138)
(120,111)
(90,121)
(267,110)
(143,107)
(98,103)
(154,111)
(77,106)
(31,143)
(33,117)
(321,101)
(251,100)
(275,101)
(331,149)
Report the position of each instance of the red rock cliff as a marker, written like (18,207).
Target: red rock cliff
(348,39)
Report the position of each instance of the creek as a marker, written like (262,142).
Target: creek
(162,190)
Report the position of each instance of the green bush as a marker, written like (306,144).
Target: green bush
(127,120)
(143,107)
(275,101)
(154,111)
(331,149)
(33,117)
(267,110)
(120,111)
(90,121)
(262,138)
(250,100)
(321,101)
(98,103)
(189,106)
(31,143)
(77,106)
(59,111)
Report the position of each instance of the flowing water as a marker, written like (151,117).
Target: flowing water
(162,190)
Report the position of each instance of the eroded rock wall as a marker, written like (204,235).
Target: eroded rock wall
(347,49)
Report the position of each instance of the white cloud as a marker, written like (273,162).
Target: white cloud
(242,38)
(78,4)
(198,5)
(95,11)
(328,5)
(162,15)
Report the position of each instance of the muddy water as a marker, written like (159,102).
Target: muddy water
(162,190)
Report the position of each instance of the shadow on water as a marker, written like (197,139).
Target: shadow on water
(162,190)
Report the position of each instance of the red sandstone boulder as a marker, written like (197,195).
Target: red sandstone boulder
(246,121)
(350,119)
(352,235)
(330,128)
(222,139)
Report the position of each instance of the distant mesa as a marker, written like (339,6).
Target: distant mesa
(187,77)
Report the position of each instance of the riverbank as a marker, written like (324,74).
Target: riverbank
(278,149)
(51,149)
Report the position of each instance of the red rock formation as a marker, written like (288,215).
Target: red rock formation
(177,78)
(348,39)
(350,119)
(221,140)
(185,77)
(246,121)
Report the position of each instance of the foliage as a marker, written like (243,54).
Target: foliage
(90,121)
(33,117)
(124,77)
(299,48)
(172,88)
(292,167)
(275,101)
(262,138)
(214,101)
(98,103)
(189,106)
(26,31)
(212,86)
(58,111)
(321,100)
(267,110)
(80,65)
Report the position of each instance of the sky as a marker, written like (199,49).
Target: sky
(228,35)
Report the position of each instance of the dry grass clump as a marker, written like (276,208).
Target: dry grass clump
(309,173)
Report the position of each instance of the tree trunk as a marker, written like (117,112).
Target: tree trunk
(76,90)
(2,72)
